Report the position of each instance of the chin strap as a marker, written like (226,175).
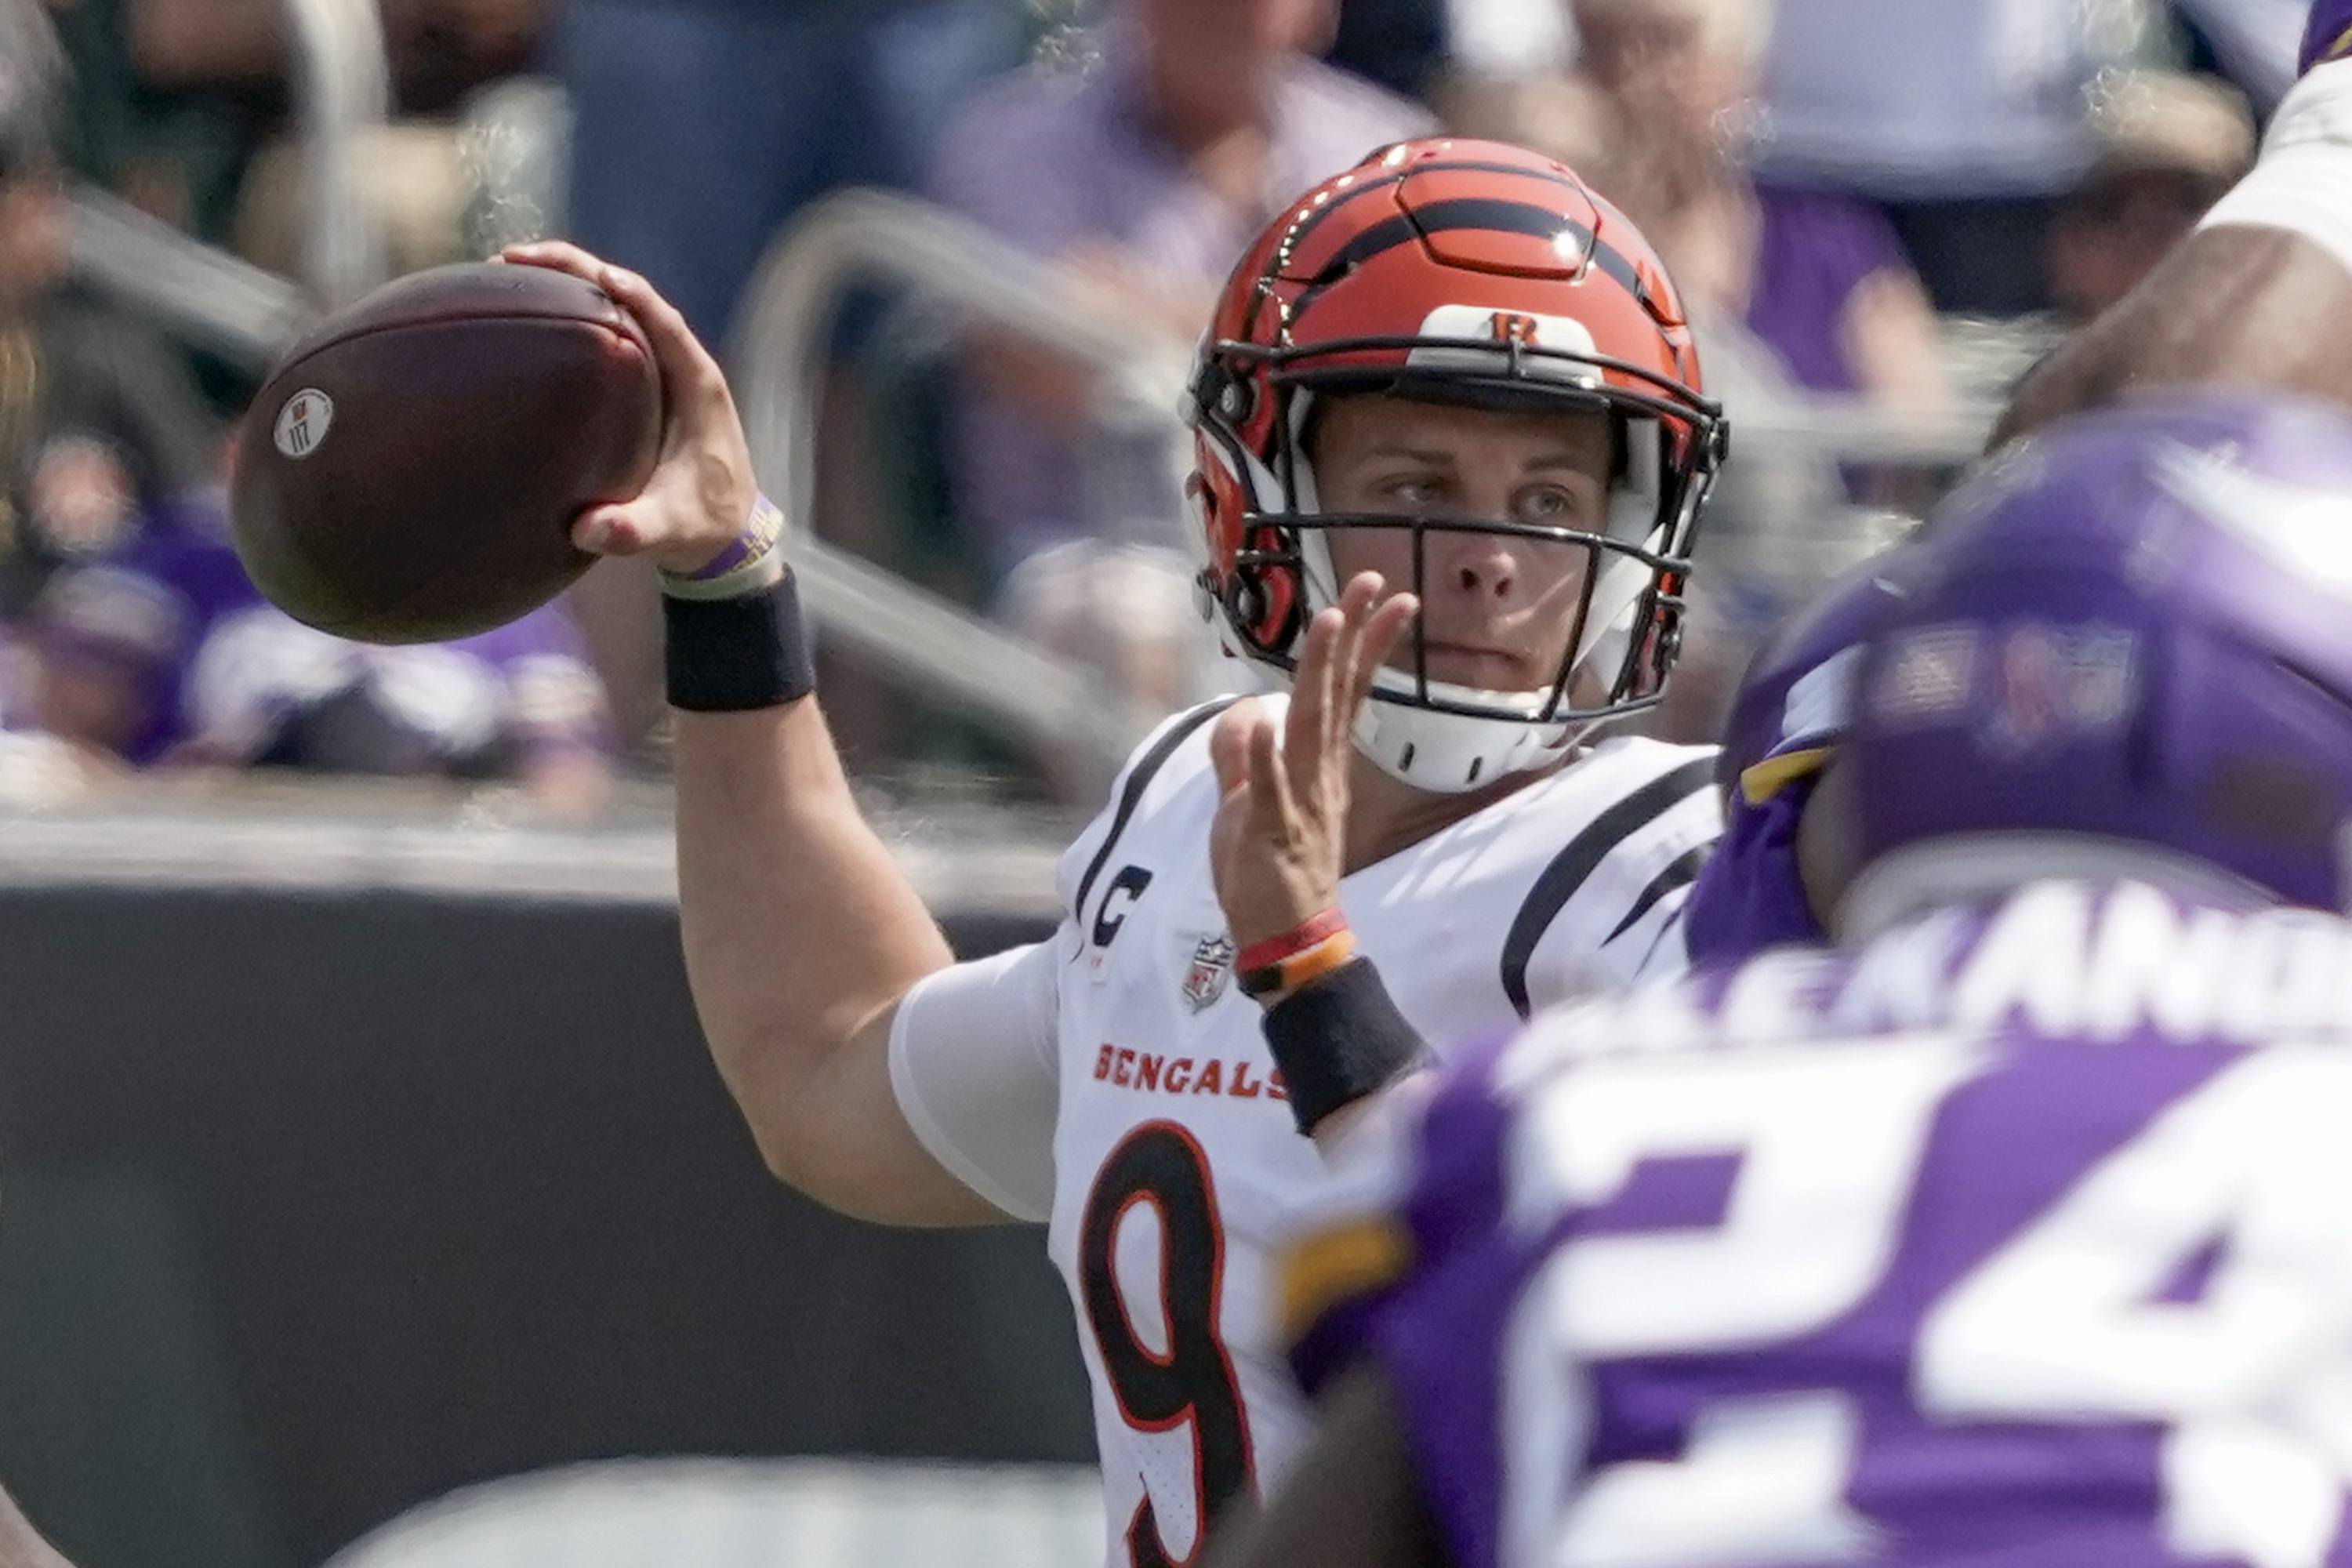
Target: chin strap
(1452,754)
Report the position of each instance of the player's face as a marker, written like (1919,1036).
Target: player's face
(1497,609)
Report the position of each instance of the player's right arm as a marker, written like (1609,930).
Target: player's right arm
(21,1545)
(802,935)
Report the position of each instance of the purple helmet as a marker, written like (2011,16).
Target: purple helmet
(2326,34)
(2136,627)
(1794,691)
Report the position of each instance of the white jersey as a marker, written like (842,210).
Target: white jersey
(1113,1081)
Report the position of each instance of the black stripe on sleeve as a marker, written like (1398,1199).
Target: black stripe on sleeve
(1137,779)
(1574,864)
(1680,874)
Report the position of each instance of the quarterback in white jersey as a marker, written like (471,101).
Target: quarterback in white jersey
(1116,1069)
(1451,451)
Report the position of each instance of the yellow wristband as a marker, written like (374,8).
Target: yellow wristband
(1280,979)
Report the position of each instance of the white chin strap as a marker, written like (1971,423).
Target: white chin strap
(1449,753)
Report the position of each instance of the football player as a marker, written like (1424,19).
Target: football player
(1451,444)
(2242,303)
(2016,1231)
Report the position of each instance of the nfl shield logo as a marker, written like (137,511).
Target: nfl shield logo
(1212,967)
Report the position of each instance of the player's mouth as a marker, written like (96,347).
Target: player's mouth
(1485,668)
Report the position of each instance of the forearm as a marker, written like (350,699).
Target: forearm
(2256,300)
(800,931)
(2239,308)
(21,1545)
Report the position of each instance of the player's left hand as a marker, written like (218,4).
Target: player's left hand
(1278,847)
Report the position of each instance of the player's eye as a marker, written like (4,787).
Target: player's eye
(1415,490)
(1550,504)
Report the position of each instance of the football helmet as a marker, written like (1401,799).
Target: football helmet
(2134,631)
(1459,272)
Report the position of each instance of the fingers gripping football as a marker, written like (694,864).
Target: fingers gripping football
(702,489)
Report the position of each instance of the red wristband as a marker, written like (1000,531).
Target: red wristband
(1316,929)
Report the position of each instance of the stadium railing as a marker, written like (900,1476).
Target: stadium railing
(341,91)
(852,238)
(779,357)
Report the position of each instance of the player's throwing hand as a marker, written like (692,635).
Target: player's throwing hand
(1278,847)
(696,504)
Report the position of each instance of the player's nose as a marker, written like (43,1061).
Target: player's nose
(1486,568)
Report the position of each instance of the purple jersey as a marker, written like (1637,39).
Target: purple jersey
(2326,34)
(2020,1238)
(218,675)
(1782,729)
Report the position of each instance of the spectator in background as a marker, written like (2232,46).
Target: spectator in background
(1963,117)
(1794,292)
(2169,146)
(166,655)
(1142,176)
(1820,281)
(701,128)
(100,423)
(1401,44)
(183,105)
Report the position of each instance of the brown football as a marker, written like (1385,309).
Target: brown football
(411,469)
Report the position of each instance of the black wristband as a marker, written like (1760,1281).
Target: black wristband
(729,656)
(1337,1038)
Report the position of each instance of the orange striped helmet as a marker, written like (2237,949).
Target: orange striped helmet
(1463,272)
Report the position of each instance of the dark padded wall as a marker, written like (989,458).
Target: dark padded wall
(314,1208)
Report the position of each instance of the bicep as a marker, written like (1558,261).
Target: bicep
(2236,306)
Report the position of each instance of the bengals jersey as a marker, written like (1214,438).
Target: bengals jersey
(2020,1238)
(1114,1082)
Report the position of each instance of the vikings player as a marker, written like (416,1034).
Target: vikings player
(2016,1232)
(2238,302)
(1450,371)
(2242,303)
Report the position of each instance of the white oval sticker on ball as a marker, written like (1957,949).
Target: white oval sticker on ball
(302,423)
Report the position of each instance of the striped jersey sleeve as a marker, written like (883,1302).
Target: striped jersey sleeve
(1605,911)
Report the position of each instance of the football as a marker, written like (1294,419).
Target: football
(411,469)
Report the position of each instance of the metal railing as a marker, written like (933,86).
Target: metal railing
(341,86)
(857,236)
(207,296)
(779,357)
(342,89)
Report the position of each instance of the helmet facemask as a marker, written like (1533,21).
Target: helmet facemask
(1438,735)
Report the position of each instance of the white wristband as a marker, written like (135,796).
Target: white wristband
(753,564)
(2303,181)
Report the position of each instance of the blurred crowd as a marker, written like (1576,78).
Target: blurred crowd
(1881,211)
